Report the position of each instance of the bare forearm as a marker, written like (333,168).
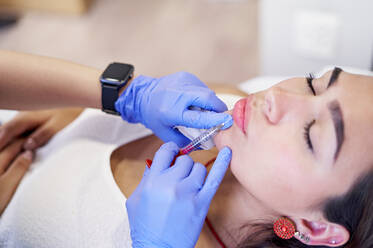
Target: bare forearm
(35,82)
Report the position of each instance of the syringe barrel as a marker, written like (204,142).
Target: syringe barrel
(197,142)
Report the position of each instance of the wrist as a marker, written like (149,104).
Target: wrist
(130,103)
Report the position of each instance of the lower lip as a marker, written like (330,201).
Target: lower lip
(241,113)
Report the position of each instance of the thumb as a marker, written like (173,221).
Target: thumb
(215,176)
(205,119)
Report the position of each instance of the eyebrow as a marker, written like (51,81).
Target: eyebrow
(334,76)
(336,113)
(337,117)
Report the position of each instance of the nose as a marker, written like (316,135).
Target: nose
(281,105)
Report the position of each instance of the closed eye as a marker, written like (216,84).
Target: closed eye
(308,126)
(307,134)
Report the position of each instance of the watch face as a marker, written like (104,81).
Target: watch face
(117,73)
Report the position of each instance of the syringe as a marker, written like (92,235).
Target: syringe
(195,143)
(205,136)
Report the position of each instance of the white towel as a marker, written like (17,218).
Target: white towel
(70,198)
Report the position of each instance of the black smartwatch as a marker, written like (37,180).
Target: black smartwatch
(115,76)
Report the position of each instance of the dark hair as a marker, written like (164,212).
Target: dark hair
(353,210)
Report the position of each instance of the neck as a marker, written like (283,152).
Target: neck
(232,209)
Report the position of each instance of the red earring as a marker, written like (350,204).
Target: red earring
(285,229)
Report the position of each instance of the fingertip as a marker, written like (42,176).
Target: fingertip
(183,159)
(182,167)
(170,146)
(220,118)
(30,144)
(201,171)
(226,150)
(228,121)
(164,156)
(225,154)
(197,175)
(219,105)
(28,155)
(201,168)
(223,107)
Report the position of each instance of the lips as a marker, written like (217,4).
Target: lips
(241,113)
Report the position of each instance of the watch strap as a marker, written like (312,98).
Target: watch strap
(109,97)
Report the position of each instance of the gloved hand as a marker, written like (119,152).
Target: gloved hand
(169,206)
(163,103)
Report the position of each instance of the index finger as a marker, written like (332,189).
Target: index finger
(206,119)
(216,175)
(18,169)
(9,153)
(164,156)
(13,176)
(208,100)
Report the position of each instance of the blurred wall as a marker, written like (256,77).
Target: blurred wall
(299,36)
(65,6)
(214,39)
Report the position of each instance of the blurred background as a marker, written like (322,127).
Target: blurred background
(221,41)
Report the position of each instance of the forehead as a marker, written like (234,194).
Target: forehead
(355,95)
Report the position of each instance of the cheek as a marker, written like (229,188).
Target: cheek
(273,175)
(279,174)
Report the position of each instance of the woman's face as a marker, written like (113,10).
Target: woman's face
(300,145)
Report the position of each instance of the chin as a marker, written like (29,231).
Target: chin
(218,141)
(223,138)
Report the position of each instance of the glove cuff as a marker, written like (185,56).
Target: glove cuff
(129,103)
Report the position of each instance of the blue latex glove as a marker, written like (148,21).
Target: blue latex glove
(169,206)
(163,103)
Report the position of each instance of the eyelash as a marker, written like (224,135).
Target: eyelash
(309,80)
(307,134)
(308,126)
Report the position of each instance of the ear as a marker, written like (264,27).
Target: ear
(322,232)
